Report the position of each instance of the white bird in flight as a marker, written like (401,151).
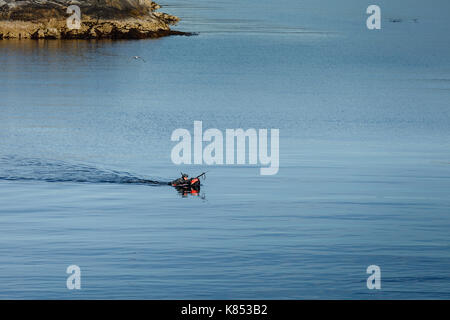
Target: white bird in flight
(138,57)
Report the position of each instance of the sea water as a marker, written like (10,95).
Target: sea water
(364,177)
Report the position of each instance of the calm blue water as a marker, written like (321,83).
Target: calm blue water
(364,175)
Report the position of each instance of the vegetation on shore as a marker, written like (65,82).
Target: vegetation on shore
(100,19)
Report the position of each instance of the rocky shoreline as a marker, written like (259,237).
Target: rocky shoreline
(100,19)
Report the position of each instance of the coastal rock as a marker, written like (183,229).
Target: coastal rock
(100,19)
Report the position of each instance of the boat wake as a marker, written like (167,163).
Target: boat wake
(30,169)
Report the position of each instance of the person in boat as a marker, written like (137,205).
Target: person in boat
(186,182)
(183,180)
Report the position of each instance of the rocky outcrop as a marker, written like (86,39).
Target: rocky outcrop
(100,19)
